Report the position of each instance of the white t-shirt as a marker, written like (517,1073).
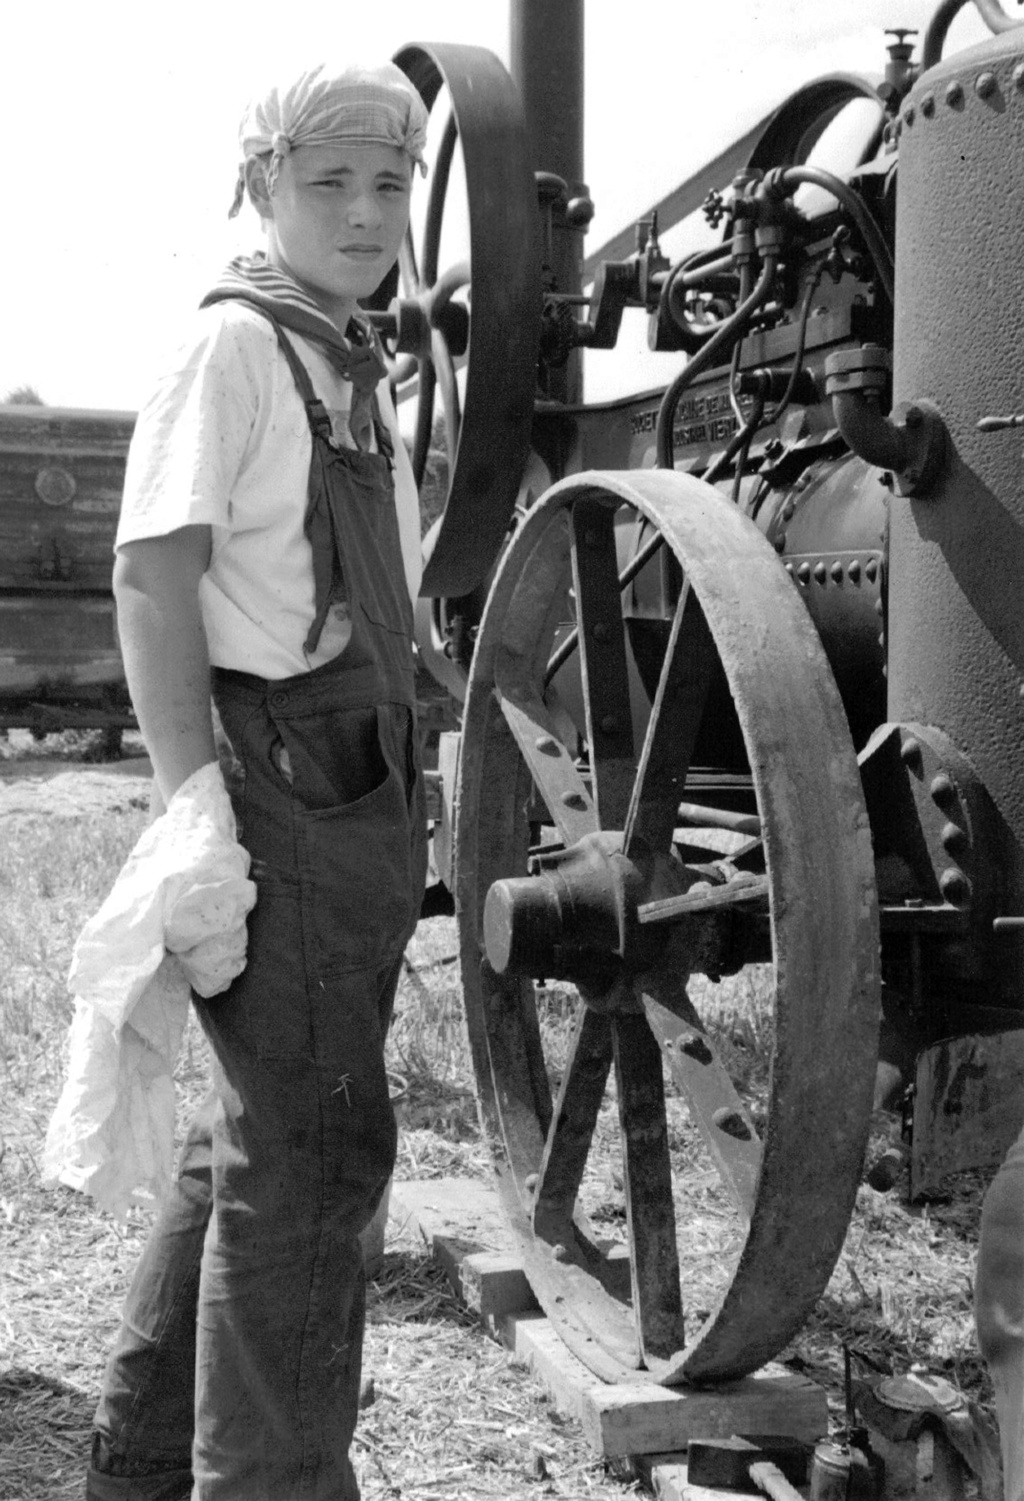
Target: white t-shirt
(224,441)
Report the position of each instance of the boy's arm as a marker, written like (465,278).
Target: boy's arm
(163,644)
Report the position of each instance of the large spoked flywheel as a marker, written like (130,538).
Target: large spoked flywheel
(587,874)
(482,312)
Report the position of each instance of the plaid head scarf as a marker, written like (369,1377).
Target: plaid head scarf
(326,106)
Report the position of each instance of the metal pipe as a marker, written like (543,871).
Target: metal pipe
(784,179)
(991,12)
(732,329)
(871,436)
(546,62)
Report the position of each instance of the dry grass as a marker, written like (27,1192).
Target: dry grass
(453,1416)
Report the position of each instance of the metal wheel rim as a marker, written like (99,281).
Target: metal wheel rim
(824,918)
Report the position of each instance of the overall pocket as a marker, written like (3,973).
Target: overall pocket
(355,854)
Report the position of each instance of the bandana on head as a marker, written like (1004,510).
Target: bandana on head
(324,107)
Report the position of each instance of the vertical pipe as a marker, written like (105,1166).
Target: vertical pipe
(546,56)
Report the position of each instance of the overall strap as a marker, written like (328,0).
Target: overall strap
(316,413)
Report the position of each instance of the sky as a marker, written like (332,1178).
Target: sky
(119,130)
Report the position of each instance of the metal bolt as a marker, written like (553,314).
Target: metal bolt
(879,607)
(910,752)
(954,93)
(908,115)
(803,573)
(871,570)
(837,572)
(820,572)
(697,1049)
(780,542)
(928,105)
(788,509)
(560,1253)
(953,837)
(789,569)
(547,745)
(530,1182)
(574,800)
(942,789)
(731,1123)
(985,85)
(854,572)
(955,886)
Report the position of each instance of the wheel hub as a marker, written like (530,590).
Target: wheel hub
(576,917)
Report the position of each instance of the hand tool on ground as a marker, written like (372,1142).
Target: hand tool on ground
(771,1463)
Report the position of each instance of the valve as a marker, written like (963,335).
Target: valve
(900,73)
(713,208)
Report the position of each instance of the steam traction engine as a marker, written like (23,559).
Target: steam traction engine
(745,684)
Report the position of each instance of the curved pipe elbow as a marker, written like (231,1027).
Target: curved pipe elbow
(873,438)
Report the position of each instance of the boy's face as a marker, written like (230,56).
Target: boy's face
(336,220)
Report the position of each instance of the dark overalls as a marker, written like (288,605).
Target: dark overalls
(239,1354)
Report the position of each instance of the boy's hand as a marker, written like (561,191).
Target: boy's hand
(156,586)
(210,966)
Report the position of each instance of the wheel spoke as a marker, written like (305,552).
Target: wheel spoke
(743,891)
(408,265)
(554,771)
(603,659)
(715,1108)
(575,1116)
(647,1174)
(451,402)
(424,420)
(672,730)
(435,202)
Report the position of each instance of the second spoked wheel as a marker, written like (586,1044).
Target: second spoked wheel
(586,862)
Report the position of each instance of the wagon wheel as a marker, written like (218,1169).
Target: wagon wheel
(614,909)
(489,427)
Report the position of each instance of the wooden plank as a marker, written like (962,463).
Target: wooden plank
(459,1209)
(531,1338)
(493,1284)
(459,1219)
(665,1475)
(635,1419)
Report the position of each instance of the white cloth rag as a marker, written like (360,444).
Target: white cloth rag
(175,917)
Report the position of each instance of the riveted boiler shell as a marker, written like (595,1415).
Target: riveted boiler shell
(956,601)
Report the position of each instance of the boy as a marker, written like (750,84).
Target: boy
(269,543)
